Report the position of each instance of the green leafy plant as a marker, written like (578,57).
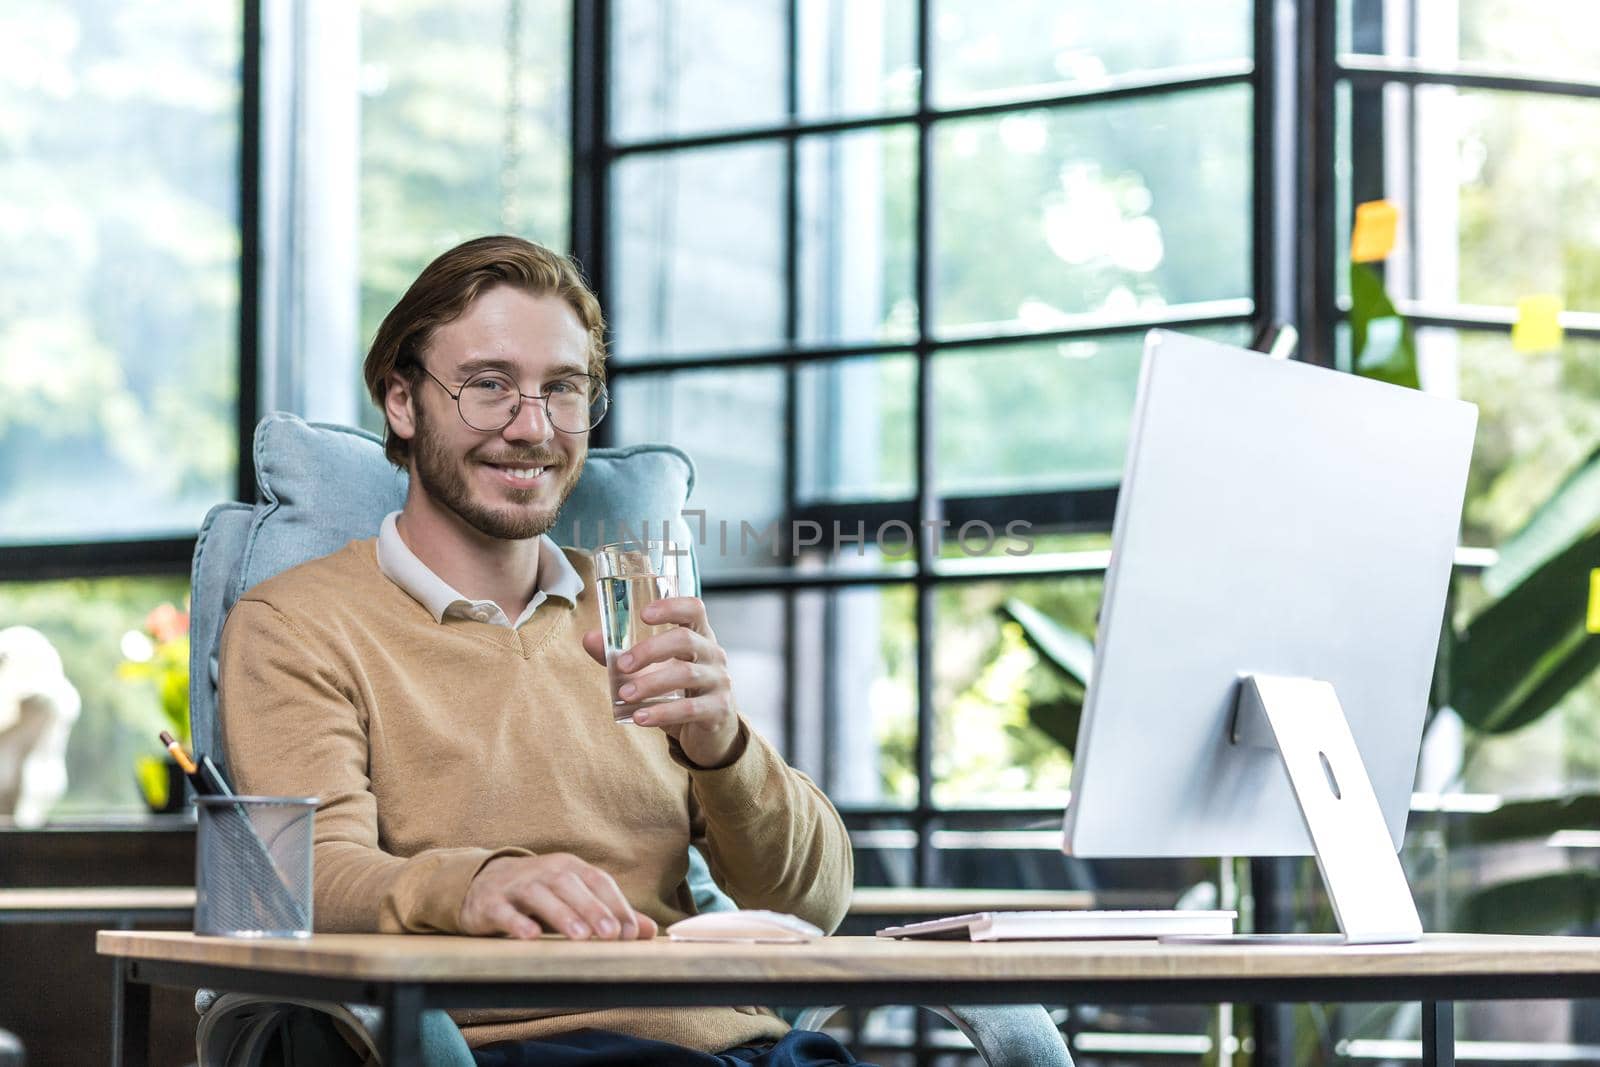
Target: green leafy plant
(1516,658)
(1055,693)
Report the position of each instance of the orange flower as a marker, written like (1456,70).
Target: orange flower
(166,623)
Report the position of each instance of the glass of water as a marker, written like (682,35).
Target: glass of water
(631,575)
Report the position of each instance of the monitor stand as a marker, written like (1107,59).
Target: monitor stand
(1301,719)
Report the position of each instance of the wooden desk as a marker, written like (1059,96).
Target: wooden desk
(405,974)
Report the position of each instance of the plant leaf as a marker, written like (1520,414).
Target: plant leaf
(152,773)
(1068,650)
(1520,655)
(1565,901)
(1381,342)
(1058,709)
(1524,820)
(1572,512)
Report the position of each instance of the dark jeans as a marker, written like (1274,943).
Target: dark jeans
(602,1048)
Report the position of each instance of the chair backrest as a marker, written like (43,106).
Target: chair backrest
(322,486)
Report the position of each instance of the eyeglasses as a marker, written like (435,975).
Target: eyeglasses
(489,402)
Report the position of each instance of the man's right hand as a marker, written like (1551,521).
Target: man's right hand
(523,896)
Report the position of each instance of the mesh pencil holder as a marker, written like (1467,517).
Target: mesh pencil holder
(253,866)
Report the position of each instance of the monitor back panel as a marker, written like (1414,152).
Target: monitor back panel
(1274,517)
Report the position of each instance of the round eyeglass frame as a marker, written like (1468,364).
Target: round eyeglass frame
(602,400)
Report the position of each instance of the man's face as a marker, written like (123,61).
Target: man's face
(483,477)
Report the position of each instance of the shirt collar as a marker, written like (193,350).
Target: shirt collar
(557,577)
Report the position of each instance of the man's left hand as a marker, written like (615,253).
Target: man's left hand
(704,720)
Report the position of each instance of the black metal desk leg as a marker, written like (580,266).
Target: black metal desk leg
(130,1018)
(400,1043)
(1438,1033)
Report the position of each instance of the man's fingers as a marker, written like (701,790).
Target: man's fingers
(670,677)
(594,917)
(595,645)
(677,643)
(541,901)
(687,611)
(560,893)
(606,890)
(677,712)
(513,923)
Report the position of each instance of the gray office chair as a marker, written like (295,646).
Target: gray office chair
(322,486)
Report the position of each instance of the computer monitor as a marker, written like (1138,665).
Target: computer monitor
(1282,546)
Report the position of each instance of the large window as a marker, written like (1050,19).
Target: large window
(884,266)
(119,326)
(158,154)
(119,248)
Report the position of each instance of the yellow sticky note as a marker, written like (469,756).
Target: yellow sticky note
(1594,601)
(1538,327)
(1373,236)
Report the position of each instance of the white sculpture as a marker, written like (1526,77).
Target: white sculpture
(37,709)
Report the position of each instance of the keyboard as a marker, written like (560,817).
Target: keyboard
(1069,925)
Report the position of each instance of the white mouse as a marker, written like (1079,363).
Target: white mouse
(742,926)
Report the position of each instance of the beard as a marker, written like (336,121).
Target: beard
(444,478)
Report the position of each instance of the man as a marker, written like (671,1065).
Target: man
(441,688)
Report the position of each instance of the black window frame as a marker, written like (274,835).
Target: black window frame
(1089,508)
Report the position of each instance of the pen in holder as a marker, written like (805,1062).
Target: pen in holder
(253,866)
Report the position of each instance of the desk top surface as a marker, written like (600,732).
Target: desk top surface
(413,958)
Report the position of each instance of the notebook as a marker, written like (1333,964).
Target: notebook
(1069,925)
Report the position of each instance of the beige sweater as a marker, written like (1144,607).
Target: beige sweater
(435,747)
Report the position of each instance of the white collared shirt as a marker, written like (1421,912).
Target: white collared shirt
(400,565)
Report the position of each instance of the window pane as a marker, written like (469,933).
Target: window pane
(731,423)
(1527,208)
(858,58)
(1104,208)
(119,259)
(120,717)
(854,685)
(446,153)
(1051,415)
(1538,420)
(857,236)
(856,427)
(885,853)
(984,49)
(1001,709)
(750,628)
(1504,205)
(1045,415)
(697,241)
(680,68)
(1551,38)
